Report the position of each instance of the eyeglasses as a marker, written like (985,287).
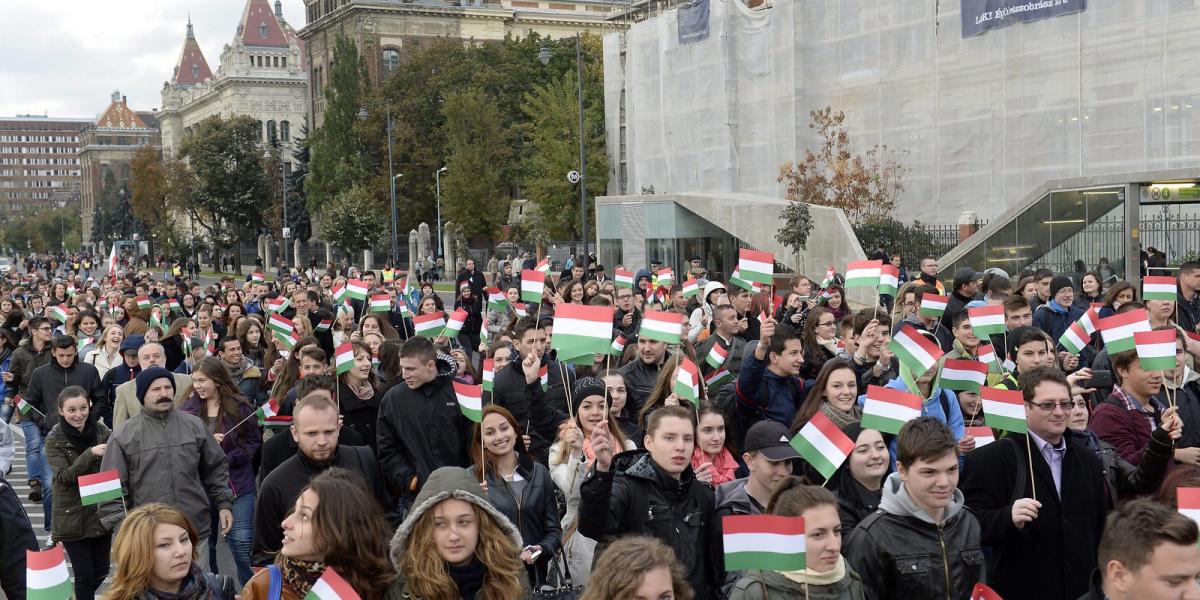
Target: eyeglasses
(1050,406)
(826,324)
(47,328)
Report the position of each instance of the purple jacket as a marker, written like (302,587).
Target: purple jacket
(239,448)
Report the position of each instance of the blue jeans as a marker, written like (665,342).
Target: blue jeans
(239,537)
(36,463)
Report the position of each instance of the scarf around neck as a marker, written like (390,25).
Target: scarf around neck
(300,575)
(840,417)
(811,577)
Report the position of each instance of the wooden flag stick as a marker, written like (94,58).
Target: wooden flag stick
(1029,453)
(562,373)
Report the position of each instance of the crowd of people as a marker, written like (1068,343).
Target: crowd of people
(311,422)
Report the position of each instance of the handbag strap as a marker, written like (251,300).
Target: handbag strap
(276,583)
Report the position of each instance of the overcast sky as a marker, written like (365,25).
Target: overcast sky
(65,57)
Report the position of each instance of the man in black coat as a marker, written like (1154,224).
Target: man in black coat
(315,428)
(538,410)
(1043,531)
(53,377)
(420,426)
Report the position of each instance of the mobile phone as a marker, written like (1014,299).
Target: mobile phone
(1100,379)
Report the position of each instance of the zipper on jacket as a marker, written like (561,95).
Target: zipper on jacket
(945,558)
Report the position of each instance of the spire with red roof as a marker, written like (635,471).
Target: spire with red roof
(191,68)
(260,27)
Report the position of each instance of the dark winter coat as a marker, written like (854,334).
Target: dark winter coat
(50,379)
(639,383)
(535,513)
(358,415)
(538,412)
(71,519)
(239,448)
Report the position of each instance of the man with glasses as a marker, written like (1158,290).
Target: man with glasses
(25,360)
(1042,529)
(627,319)
(928,276)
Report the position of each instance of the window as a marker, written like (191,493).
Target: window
(285,132)
(262,30)
(283,62)
(391,60)
(272,134)
(274,61)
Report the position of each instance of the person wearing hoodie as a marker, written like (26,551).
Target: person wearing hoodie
(455,544)
(518,387)
(922,542)
(700,318)
(421,427)
(654,492)
(1042,529)
(827,575)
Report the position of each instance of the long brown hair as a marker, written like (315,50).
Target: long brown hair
(361,346)
(477,439)
(426,574)
(229,397)
(624,565)
(133,548)
(350,530)
(816,396)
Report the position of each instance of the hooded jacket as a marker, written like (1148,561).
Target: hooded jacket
(50,379)
(71,519)
(773,585)
(636,496)
(1187,398)
(442,484)
(167,457)
(902,553)
(538,412)
(420,430)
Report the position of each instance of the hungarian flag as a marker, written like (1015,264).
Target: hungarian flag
(985,354)
(357,289)
(822,444)
(58,313)
(889,280)
(522,310)
(1118,330)
(623,278)
(99,487)
(533,285)
(1158,287)
(343,357)
(618,345)
(1090,320)
(1003,409)
(687,380)
(581,329)
(323,326)
(280,323)
(257,277)
(716,357)
(470,400)
(489,374)
(986,320)
(544,377)
(1155,349)
(430,325)
(864,273)
(543,266)
(963,375)
(46,575)
(830,275)
(1075,338)
(691,287)
(887,409)
(402,308)
(338,291)
(735,278)
(496,299)
(983,436)
(289,341)
(664,278)
(270,409)
(380,303)
(278,304)
(933,305)
(757,266)
(914,350)
(662,326)
(173,305)
(769,542)
(83,343)
(143,302)
(457,319)
(331,586)
(983,592)
(717,378)
(1188,499)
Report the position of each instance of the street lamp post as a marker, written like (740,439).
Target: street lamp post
(283,178)
(392,176)
(544,56)
(437,175)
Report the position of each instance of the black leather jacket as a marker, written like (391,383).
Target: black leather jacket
(535,513)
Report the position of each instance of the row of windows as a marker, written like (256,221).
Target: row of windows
(40,138)
(257,60)
(38,162)
(19,195)
(8,183)
(38,150)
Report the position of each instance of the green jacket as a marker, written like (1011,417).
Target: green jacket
(442,484)
(771,585)
(71,520)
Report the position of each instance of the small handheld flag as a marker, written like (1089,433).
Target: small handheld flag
(914,350)
(986,321)
(933,305)
(380,303)
(687,381)
(268,410)
(331,586)
(1117,330)
(863,273)
(357,289)
(489,374)
(1075,338)
(1158,287)
(1003,409)
(344,358)
(99,487)
(983,436)
(623,278)
(823,445)
(769,542)
(57,313)
(470,400)
(497,301)
(431,325)
(691,287)
(543,266)
(716,357)
(662,326)
(887,409)
(986,354)
(1155,349)
(756,266)
(618,345)
(963,375)
(455,323)
(889,280)
(533,285)
(46,575)
(581,329)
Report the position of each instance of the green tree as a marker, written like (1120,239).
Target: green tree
(336,149)
(473,195)
(147,186)
(297,208)
(231,191)
(354,221)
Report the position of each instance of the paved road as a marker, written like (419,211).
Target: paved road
(19,480)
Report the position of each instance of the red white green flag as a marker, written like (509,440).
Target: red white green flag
(822,444)
(756,266)
(544,377)
(1188,500)
(915,351)
(887,409)
(489,374)
(768,542)
(662,326)
(533,285)
(331,587)
(257,277)
(830,275)
(664,278)
(963,375)
(986,320)
(717,378)
(933,305)
(543,266)
(278,304)
(623,278)
(618,345)
(581,329)
(1075,338)
(717,355)
(1118,330)
(99,487)
(1155,349)
(455,323)
(280,323)
(889,280)
(270,409)
(736,278)
(687,380)
(46,575)
(470,400)
(983,435)
(1090,320)
(357,289)
(143,302)
(58,313)
(380,303)
(338,291)
(864,273)
(691,287)
(986,354)
(1003,409)
(522,310)
(496,299)
(1158,287)
(343,358)
(430,325)
(289,341)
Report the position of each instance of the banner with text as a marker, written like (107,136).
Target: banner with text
(979,16)
(693,22)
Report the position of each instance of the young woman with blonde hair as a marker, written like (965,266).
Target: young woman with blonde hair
(155,558)
(638,567)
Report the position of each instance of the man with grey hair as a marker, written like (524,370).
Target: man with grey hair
(126,404)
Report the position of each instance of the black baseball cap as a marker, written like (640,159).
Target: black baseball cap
(771,439)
